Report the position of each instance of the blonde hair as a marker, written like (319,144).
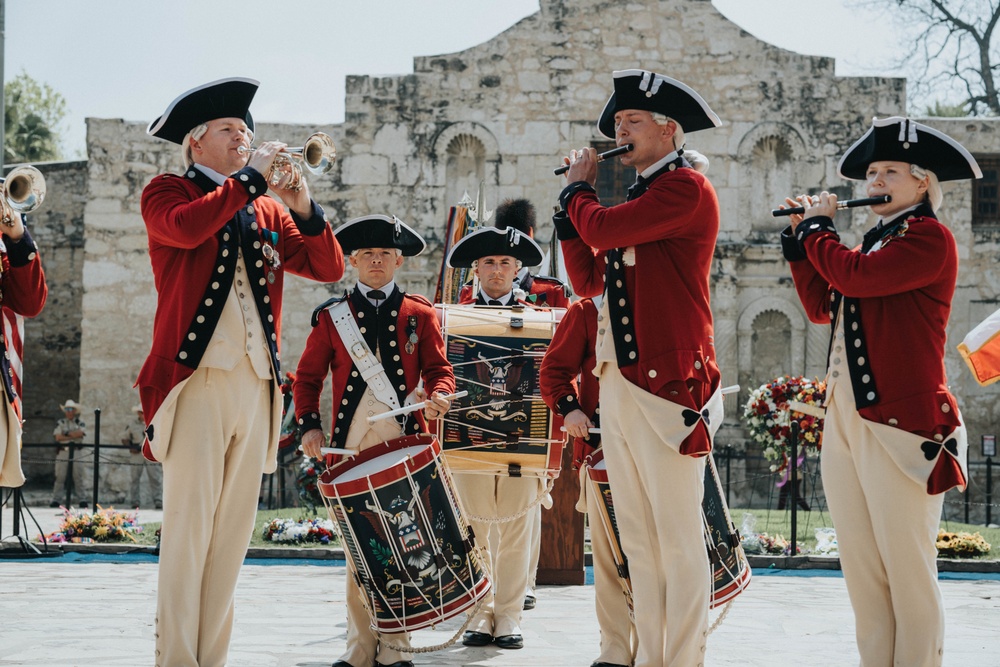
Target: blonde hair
(196,133)
(933,196)
(678,137)
(354,253)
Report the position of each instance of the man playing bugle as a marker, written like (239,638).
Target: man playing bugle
(209,388)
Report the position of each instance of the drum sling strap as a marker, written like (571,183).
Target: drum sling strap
(365,361)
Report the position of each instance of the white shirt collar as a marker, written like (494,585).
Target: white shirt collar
(218,178)
(505,299)
(659,164)
(881,220)
(388,288)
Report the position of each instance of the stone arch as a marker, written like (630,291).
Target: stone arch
(465,154)
(768,156)
(769,313)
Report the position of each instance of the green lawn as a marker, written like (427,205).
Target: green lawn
(780,522)
(148,536)
(773,522)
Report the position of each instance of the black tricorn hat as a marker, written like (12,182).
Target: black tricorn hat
(225,98)
(649,91)
(898,139)
(490,241)
(379,231)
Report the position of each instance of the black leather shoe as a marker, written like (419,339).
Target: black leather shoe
(509,641)
(529,601)
(471,638)
(606,664)
(342,663)
(401,663)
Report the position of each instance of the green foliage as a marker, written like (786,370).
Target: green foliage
(33,112)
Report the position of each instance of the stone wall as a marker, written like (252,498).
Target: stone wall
(502,114)
(52,340)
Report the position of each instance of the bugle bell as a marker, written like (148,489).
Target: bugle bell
(23,192)
(317,155)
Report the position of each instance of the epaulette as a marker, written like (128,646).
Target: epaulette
(326,304)
(419,298)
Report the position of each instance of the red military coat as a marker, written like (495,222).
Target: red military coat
(22,292)
(670,228)
(195,229)
(897,300)
(325,353)
(567,380)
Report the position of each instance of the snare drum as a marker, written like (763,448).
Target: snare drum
(396,510)
(503,426)
(730,568)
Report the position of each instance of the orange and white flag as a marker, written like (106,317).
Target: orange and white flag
(981,350)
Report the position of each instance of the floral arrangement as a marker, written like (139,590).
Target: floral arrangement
(307,482)
(763,543)
(303,530)
(768,417)
(961,545)
(105,525)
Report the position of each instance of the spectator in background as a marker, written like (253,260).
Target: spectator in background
(69,433)
(135,433)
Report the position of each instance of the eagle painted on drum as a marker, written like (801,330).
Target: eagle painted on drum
(410,536)
(500,377)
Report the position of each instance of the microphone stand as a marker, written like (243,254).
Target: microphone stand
(27,550)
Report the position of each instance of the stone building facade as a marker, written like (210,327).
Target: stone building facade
(502,114)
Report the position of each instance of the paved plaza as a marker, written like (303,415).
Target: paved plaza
(84,611)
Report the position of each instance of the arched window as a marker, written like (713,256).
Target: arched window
(465,167)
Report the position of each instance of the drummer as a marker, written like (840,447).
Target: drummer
(496,256)
(539,290)
(571,356)
(401,331)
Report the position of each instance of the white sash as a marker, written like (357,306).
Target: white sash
(365,360)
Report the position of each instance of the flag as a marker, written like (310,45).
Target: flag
(13,331)
(981,350)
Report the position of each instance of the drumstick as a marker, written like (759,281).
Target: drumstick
(407,409)
(337,450)
(731,389)
(806,409)
(589,430)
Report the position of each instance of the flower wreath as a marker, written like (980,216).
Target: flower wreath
(768,418)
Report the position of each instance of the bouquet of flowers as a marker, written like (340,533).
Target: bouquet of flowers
(961,545)
(304,530)
(105,525)
(768,417)
(307,482)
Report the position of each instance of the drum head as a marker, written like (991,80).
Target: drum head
(378,464)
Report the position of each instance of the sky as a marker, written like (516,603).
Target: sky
(130,58)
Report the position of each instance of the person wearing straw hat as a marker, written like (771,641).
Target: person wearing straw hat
(219,250)
(133,437)
(496,256)
(400,331)
(22,294)
(893,437)
(570,388)
(659,382)
(69,433)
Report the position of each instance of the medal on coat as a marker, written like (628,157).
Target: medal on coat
(411,334)
(270,253)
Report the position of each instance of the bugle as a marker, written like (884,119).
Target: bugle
(317,155)
(23,192)
(601,157)
(847,203)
